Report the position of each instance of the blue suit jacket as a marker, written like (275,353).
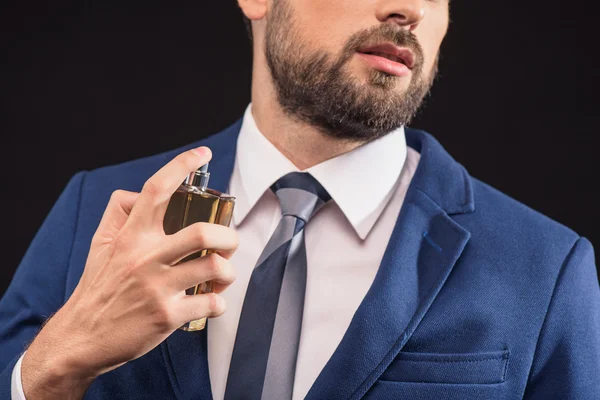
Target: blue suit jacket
(477,296)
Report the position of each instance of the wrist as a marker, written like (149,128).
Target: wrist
(51,367)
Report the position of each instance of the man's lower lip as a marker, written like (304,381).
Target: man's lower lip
(385,65)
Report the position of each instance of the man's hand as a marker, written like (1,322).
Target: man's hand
(130,297)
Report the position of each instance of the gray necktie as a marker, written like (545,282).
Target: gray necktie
(263,363)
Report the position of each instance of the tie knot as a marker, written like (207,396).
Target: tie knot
(300,195)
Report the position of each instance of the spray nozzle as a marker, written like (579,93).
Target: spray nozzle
(199,178)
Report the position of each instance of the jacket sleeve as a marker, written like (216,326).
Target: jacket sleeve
(37,289)
(566,363)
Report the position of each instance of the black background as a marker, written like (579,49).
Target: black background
(87,83)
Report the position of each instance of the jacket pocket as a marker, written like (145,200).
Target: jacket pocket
(469,368)
(384,390)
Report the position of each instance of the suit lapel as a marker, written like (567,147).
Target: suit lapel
(185,353)
(425,244)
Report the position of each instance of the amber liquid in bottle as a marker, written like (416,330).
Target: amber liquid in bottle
(191,204)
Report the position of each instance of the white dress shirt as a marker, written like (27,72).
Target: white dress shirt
(345,242)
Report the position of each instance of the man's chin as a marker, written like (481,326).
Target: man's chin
(371,78)
(391,83)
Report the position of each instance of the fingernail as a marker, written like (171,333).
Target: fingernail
(201,151)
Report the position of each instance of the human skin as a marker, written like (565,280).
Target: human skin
(130,250)
(130,281)
(327,25)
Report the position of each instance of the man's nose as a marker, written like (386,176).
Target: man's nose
(405,13)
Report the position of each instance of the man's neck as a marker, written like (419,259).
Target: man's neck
(301,143)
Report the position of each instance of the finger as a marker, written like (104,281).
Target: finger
(211,267)
(157,190)
(191,308)
(117,211)
(197,237)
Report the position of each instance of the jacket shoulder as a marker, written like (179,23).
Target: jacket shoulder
(509,225)
(98,185)
(132,174)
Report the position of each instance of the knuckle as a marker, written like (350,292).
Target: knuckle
(227,271)
(154,187)
(216,304)
(235,239)
(121,241)
(117,195)
(130,273)
(161,312)
(136,264)
(232,273)
(214,264)
(163,317)
(200,233)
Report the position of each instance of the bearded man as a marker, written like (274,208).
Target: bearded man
(369,263)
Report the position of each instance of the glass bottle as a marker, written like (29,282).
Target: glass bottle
(194,202)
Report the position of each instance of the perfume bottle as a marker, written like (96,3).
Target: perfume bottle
(194,202)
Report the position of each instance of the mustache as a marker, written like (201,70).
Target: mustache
(384,33)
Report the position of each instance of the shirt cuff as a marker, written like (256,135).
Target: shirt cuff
(16,386)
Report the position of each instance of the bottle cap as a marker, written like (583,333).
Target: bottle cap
(198,178)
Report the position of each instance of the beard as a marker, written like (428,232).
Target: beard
(315,87)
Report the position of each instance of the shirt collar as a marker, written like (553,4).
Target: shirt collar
(360,182)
